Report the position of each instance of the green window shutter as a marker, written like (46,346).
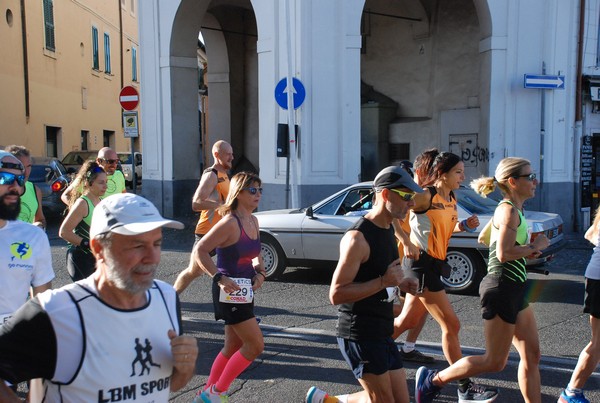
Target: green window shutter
(95,57)
(107,67)
(49,25)
(134,76)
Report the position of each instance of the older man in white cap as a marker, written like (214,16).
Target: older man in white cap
(85,339)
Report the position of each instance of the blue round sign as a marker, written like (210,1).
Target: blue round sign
(281,96)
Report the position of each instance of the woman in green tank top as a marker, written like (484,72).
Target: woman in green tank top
(75,229)
(508,318)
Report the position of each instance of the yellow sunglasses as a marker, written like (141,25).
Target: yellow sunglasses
(406,196)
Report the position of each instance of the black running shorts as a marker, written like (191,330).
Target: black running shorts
(376,356)
(502,297)
(591,303)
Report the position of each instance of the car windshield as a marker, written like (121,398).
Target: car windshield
(78,158)
(354,200)
(474,203)
(60,168)
(125,158)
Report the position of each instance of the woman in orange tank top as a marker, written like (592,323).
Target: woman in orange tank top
(433,220)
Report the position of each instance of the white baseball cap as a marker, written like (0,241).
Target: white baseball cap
(128,214)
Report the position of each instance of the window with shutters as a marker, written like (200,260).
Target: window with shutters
(49,25)
(95,56)
(134,76)
(107,68)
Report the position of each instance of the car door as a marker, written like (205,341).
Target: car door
(323,230)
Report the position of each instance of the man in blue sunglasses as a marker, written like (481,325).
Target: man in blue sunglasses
(25,258)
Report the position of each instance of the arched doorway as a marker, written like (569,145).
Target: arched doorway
(174,152)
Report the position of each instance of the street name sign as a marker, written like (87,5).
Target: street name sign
(548,82)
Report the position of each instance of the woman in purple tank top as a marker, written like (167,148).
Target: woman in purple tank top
(238,273)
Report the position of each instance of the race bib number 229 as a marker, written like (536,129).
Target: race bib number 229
(244,295)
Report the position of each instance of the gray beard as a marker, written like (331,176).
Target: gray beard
(123,280)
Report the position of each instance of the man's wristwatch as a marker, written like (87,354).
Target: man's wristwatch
(217,277)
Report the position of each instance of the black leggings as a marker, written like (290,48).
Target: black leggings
(79,263)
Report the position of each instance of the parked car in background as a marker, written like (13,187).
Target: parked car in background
(75,159)
(125,161)
(311,236)
(52,178)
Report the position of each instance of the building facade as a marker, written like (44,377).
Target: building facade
(63,67)
(383,81)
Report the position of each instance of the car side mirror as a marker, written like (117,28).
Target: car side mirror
(309,213)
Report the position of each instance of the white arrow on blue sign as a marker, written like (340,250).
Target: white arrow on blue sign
(544,82)
(281,91)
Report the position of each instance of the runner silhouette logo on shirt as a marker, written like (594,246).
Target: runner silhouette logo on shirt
(143,356)
(20,250)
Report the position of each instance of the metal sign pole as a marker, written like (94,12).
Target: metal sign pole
(290,97)
(133,175)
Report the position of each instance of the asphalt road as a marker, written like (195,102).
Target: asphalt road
(298,323)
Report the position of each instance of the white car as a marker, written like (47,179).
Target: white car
(125,158)
(310,237)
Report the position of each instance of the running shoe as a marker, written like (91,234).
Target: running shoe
(210,395)
(425,390)
(316,395)
(416,356)
(477,393)
(576,398)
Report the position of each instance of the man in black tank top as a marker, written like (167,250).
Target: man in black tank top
(363,284)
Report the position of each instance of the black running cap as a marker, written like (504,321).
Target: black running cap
(394,177)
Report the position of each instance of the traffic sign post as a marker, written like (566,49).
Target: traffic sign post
(129,98)
(284,96)
(548,82)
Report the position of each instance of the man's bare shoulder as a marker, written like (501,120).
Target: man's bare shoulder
(354,242)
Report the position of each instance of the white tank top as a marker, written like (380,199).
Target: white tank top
(126,354)
(593,268)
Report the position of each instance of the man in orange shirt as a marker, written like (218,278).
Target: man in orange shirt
(210,194)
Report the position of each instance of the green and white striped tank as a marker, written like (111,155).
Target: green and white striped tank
(513,270)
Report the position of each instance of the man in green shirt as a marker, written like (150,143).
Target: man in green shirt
(31,199)
(115,181)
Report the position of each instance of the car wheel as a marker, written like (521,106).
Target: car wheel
(273,257)
(468,268)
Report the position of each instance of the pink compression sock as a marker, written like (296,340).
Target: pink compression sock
(236,365)
(216,370)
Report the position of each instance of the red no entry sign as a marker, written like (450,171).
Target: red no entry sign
(129,98)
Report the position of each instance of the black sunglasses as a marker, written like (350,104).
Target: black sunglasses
(530,177)
(254,190)
(6,178)
(110,161)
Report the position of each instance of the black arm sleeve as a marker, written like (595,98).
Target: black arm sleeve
(27,345)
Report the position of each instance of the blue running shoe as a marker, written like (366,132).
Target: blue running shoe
(576,398)
(477,393)
(425,390)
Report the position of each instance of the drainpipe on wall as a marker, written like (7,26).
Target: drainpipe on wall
(578,132)
(120,42)
(25,60)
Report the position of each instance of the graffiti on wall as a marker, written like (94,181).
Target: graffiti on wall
(466,147)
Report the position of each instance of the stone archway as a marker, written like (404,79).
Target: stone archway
(172,144)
